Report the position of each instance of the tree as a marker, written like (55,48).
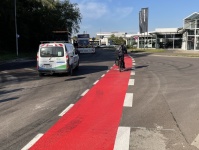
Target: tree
(48,3)
(116,40)
(35,20)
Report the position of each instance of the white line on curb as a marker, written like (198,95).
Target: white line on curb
(32,142)
(122,138)
(196,142)
(66,110)
(131,82)
(128,101)
(85,92)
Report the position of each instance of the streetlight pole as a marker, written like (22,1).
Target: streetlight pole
(16,29)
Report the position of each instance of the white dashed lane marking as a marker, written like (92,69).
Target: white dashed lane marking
(131,82)
(128,101)
(66,110)
(122,138)
(32,142)
(85,92)
(133,73)
(95,82)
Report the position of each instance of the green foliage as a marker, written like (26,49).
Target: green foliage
(35,20)
(116,40)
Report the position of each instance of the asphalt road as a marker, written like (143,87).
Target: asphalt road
(30,104)
(164,115)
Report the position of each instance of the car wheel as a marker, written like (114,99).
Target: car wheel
(41,74)
(77,67)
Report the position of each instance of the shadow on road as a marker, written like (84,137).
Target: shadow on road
(10,91)
(8,99)
(76,78)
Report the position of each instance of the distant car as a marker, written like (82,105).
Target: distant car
(57,57)
(103,45)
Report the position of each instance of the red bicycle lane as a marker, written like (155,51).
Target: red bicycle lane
(92,123)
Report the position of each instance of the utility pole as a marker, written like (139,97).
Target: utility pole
(16,28)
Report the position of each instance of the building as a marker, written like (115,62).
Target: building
(104,37)
(184,38)
(190,32)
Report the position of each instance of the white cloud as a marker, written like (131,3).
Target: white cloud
(124,11)
(93,10)
(102,14)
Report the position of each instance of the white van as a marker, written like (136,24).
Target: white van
(57,57)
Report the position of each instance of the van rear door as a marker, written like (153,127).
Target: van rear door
(52,57)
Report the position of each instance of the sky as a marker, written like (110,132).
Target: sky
(123,15)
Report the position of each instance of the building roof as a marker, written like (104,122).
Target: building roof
(110,33)
(165,31)
(193,16)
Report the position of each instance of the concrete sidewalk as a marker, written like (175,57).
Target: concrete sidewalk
(173,52)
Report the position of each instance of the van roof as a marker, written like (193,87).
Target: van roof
(42,42)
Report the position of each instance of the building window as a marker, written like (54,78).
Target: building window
(191,32)
(197,43)
(197,32)
(197,24)
(193,25)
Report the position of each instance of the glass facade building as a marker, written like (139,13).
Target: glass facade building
(191,32)
(167,38)
(184,38)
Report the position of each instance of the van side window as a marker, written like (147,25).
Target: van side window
(73,49)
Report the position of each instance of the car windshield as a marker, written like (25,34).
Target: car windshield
(52,52)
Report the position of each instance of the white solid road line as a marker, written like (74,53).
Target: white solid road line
(196,142)
(10,77)
(128,101)
(85,92)
(32,142)
(4,72)
(122,138)
(95,82)
(131,82)
(29,69)
(66,110)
